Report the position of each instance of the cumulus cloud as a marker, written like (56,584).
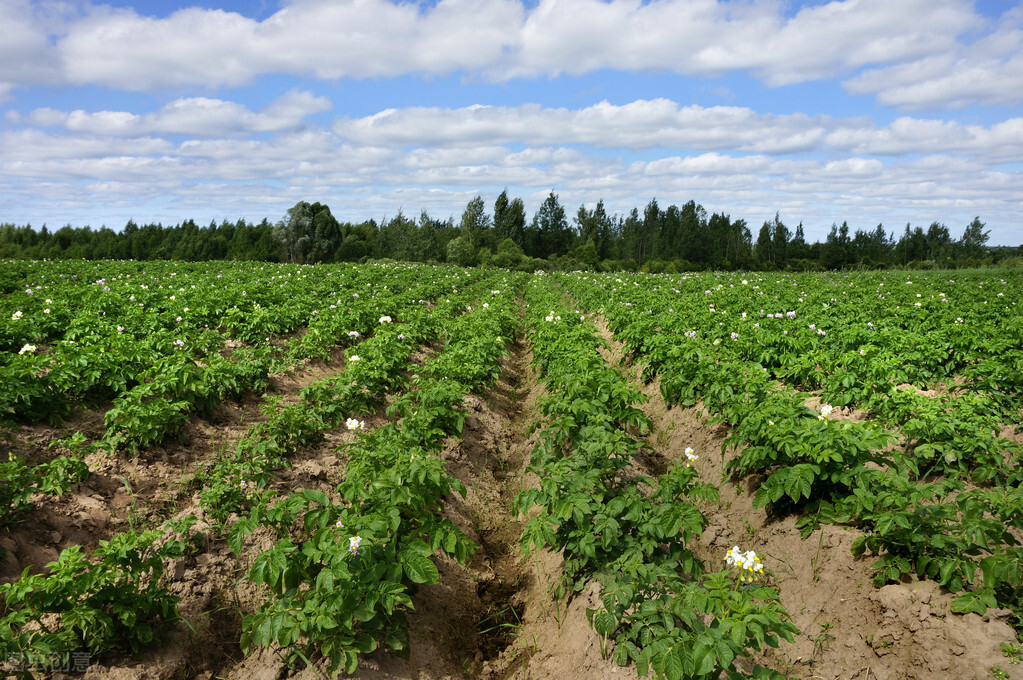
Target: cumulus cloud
(860,168)
(989,71)
(643,124)
(318,38)
(25,54)
(530,147)
(661,123)
(193,116)
(709,38)
(900,42)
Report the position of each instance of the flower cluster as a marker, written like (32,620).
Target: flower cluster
(385,319)
(748,564)
(826,410)
(691,456)
(27,349)
(353,424)
(16,316)
(353,544)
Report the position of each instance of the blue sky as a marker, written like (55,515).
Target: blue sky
(888,112)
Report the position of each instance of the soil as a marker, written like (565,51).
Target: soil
(496,618)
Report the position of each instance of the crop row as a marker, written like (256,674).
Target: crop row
(914,503)
(343,570)
(388,507)
(661,607)
(163,347)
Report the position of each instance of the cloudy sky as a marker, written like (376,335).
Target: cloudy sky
(867,111)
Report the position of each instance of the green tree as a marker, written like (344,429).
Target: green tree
(837,250)
(649,231)
(781,236)
(939,243)
(871,248)
(461,252)
(509,254)
(551,228)
(632,236)
(798,248)
(425,245)
(765,245)
(912,246)
(397,238)
(587,253)
(509,219)
(476,225)
(974,242)
(309,233)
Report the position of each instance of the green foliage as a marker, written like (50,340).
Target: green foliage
(18,482)
(344,568)
(744,346)
(629,531)
(310,233)
(461,252)
(111,599)
(509,254)
(687,629)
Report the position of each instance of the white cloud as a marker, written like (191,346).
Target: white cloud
(643,124)
(663,124)
(905,43)
(120,49)
(710,164)
(30,146)
(716,150)
(709,38)
(988,71)
(194,116)
(319,38)
(260,176)
(25,55)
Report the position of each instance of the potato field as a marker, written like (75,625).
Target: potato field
(258,471)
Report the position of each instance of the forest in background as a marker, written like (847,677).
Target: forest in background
(656,239)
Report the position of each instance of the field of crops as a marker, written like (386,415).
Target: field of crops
(236,470)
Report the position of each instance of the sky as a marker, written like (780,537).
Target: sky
(868,112)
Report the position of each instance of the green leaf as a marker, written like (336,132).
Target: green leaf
(672,665)
(351,661)
(604,623)
(976,601)
(419,568)
(450,542)
(365,643)
(621,655)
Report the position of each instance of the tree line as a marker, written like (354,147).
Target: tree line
(656,239)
